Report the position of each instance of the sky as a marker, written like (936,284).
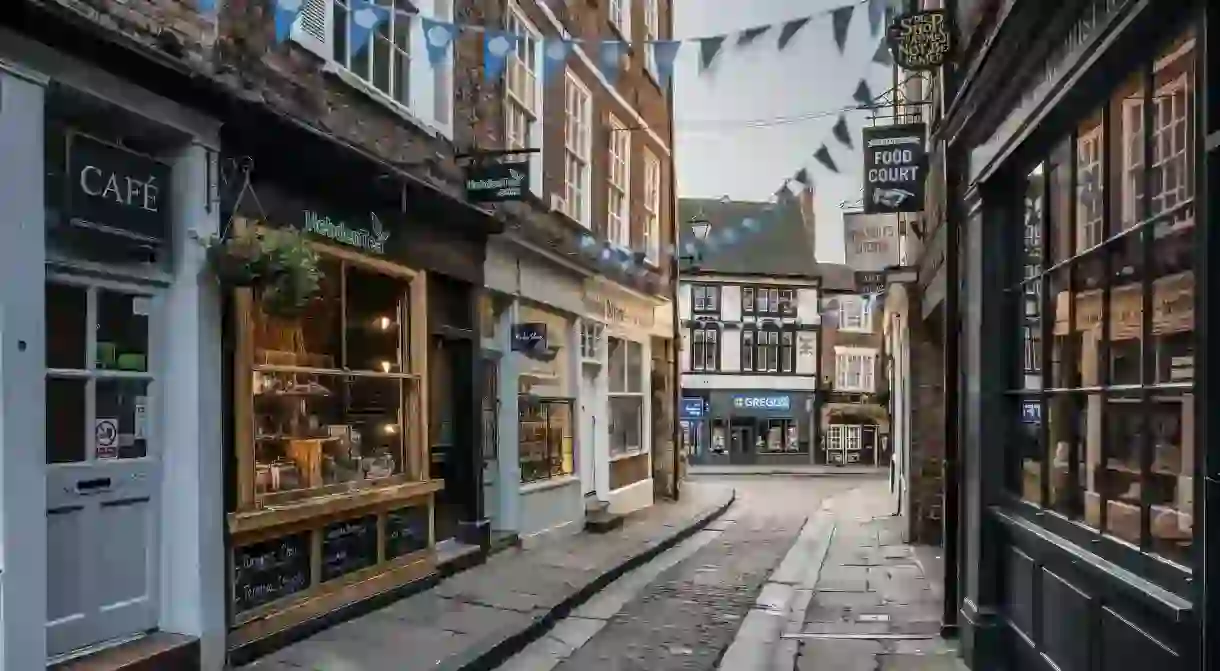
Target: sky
(759,114)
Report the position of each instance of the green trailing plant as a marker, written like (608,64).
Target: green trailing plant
(277,263)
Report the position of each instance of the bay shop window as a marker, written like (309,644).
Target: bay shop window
(331,475)
(1103,381)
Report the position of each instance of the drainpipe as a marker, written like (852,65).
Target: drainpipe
(676,345)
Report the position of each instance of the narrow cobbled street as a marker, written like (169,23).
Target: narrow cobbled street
(743,594)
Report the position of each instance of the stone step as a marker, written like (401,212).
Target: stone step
(602,521)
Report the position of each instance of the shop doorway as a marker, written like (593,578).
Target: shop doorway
(588,431)
(741,443)
(452,451)
(103,472)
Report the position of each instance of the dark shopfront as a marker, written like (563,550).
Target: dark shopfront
(1087,528)
(748,427)
(352,469)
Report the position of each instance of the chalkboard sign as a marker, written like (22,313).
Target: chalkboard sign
(406,531)
(270,570)
(348,546)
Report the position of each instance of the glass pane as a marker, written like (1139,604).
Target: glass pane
(1068,429)
(545,438)
(1126,171)
(625,423)
(122,331)
(66,331)
(121,427)
(315,340)
(635,362)
(1171,481)
(618,365)
(374,309)
(65,420)
(381,58)
(1120,484)
(1066,340)
(1028,451)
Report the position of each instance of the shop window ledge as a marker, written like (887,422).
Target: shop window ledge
(628,455)
(308,509)
(551,483)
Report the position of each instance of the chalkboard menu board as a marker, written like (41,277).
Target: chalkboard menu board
(406,531)
(348,546)
(270,570)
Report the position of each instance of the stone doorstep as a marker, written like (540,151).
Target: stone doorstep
(158,651)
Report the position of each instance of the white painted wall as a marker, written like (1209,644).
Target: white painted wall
(759,382)
(807,353)
(808,309)
(730,303)
(684,301)
(730,350)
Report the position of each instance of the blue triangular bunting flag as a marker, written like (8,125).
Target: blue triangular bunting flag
(747,37)
(555,53)
(206,6)
(841,133)
(438,35)
(496,46)
(840,20)
(709,47)
(286,12)
(876,12)
(609,57)
(365,18)
(664,53)
(789,31)
(823,157)
(883,55)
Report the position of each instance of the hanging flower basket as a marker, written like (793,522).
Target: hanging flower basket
(277,263)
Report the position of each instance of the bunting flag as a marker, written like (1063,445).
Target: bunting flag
(664,54)
(801,177)
(823,156)
(863,94)
(840,19)
(789,31)
(555,52)
(876,14)
(748,36)
(364,21)
(496,45)
(841,133)
(883,55)
(709,47)
(438,35)
(286,12)
(206,6)
(609,57)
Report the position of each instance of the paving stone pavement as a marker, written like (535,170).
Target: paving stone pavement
(472,616)
(873,585)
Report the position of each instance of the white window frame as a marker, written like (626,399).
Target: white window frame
(630,450)
(524,93)
(855,314)
(652,33)
(1089,153)
(652,207)
(1170,147)
(618,196)
(855,369)
(577,140)
(429,99)
(620,17)
(592,340)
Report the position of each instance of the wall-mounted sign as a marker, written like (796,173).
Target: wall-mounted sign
(114,190)
(612,311)
(868,282)
(768,402)
(530,339)
(922,40)
(692,408)
(871,242)
(895,165)
(497,182)
(1031,412)
(371,239)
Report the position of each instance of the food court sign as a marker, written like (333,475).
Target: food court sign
(921,41)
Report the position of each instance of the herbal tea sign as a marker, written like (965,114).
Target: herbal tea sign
(497,182)
(921,41)
(895,164)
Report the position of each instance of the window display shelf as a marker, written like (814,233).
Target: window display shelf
(319,506)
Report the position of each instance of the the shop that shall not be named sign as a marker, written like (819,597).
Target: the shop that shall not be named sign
(115,190)
(497,182)
(895,164)
(921,41)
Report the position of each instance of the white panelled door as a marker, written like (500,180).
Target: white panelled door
(103,469)
(588,429)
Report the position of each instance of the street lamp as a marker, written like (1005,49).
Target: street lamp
(700,227)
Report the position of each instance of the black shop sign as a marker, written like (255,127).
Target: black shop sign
(921,41)
(895,165)
(497,182)
(115,190)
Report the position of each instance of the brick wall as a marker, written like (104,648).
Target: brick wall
(927,417)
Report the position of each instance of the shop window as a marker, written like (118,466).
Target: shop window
(854,369)
(1106,428)
(780,436)
(545,435)
(705,298)
(705,350)
(592,340)
(333,397)
(626,396)
(855,314)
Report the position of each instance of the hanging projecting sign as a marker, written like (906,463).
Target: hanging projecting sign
(497,182)
(114,190)
(371,239)
(871,243)
(870,282)
(921,41)
(894,168)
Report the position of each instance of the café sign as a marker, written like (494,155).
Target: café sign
(921,41)
(497,182)
(115,190)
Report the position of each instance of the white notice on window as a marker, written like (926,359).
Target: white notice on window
(141,417)
(141,305)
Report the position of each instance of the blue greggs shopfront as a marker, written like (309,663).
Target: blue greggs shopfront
(749,427)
